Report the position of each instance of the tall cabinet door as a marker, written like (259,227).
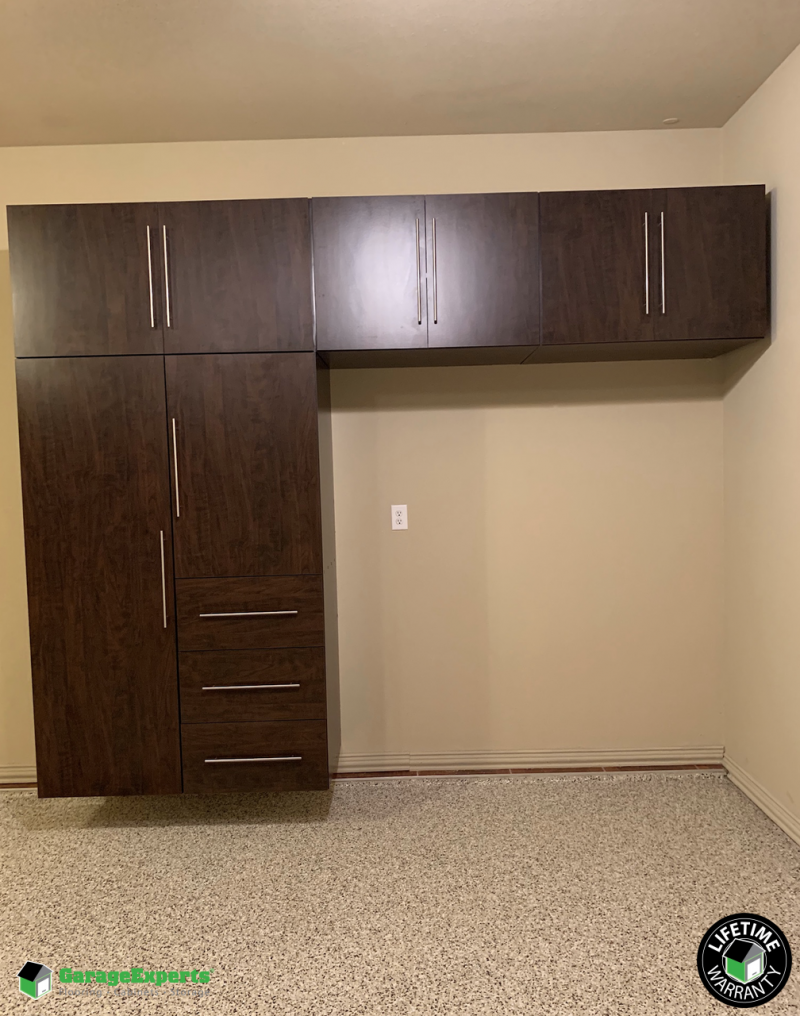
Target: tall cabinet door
(712,277)
(245,465)
(598,267)
(237,276)
(95,484)
(85,279)
(483,269)
(369,272)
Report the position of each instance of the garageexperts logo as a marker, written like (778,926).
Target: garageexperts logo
(36,980)
(744,960)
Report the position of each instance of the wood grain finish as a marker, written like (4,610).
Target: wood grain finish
(593,267)
(483,289)
(79,277)
(244,595)
(203,741)
(239,276)
(715,262)
(365,272)
(96,496)
(265,667)
(248,464)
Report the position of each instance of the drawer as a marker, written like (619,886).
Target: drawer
(288,755)
(252,684)
(250,613)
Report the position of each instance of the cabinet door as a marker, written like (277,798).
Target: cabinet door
(714,281)
(95,490)
(238,276)
(369,272)
(83,279)
(483,269)
(598,277)
(245,464)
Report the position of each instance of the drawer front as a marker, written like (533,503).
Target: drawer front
(250,613)
(252,684)
(289,755)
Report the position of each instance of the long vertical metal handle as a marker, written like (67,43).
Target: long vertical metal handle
(163,581)
(175,460)
(663,271)
(419,281)
(646,263)
(166,276)
(150,280)
(435,279)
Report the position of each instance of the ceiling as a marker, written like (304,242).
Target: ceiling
(98,71)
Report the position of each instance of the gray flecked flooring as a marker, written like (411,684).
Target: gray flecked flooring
(519,895)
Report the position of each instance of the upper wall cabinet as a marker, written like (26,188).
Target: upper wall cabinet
(711,244)
(671,266)
(595,278)
(483,269)
(80,280)
(369,273)
(190,277)
(237,276)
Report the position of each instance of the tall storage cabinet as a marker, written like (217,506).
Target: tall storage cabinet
(138,467)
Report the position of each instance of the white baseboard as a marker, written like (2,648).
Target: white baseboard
(763,799)
(703,755)
(17,774)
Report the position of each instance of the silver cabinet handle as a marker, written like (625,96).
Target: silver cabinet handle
(163,582)
(245,687)
(646,263)
(166,277)
(263,758)
(150,280)
(435,279)
(419,281)
(175,460)
(254,613)
(663,271)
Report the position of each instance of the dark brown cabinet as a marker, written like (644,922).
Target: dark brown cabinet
(85,279)
(187,277)
(98,544)
(483,269)
(678,272)
(714,283)
(238,276)
(245,464)
(446,272)
(597,277)
(369,273)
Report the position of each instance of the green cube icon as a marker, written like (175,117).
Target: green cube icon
(745,961)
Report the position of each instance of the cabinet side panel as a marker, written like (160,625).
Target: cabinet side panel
(329,565)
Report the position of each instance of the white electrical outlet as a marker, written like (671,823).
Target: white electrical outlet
(399,516)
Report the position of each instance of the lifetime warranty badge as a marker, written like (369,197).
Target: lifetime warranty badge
(744,960)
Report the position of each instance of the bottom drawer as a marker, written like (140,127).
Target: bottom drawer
(288,755)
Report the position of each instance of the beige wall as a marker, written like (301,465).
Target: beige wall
(762,466)
(559,587)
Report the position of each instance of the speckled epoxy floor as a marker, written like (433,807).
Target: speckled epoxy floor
(519,895)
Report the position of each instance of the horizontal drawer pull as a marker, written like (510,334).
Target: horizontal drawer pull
(246,687)
(266,758)
(254,613)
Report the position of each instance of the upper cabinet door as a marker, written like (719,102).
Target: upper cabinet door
(237,276)
(483,269)
(83,279)
(245,466)
(712,281)
(95,489)
(369,272)
(598,267)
